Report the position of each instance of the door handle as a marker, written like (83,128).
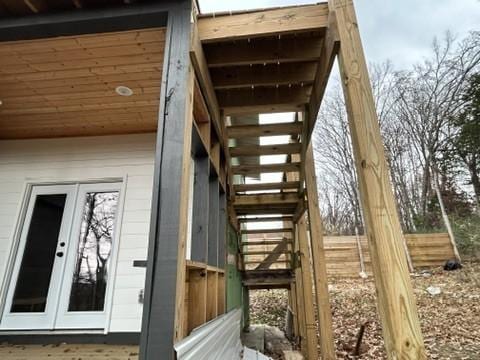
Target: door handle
(60,253)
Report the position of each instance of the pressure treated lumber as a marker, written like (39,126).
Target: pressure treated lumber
(266,219)
(259,150)
(318,259)
(274,256)
(310,325)
(268,168)
(263,23)
(263,99)
(396,302)
(264,51)
(265,199)
(267,231)
(246,131)
(263,75)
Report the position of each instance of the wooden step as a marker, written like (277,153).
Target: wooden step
(266,219)
(245,131)
(267,231)
(259,150)
(267,186)
(266,168)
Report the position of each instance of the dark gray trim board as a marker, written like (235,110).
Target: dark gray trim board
(128,338)
(85,22)
(158,323)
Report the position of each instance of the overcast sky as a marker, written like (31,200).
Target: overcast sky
(399,30)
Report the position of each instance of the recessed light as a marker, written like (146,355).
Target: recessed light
(123,91)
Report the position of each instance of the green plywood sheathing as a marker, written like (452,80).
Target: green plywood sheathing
(234,277)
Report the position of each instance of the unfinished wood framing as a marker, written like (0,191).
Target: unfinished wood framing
(324,313)
(396,303)
(310,325)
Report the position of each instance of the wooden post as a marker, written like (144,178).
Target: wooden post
(310,325)
(163,321)
(327,346)
(396,303)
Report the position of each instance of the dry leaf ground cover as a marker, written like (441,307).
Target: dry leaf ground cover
(450,321)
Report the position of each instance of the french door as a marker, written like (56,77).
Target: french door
(61,274)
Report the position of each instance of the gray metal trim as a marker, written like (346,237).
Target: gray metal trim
(218,339)
(85,22)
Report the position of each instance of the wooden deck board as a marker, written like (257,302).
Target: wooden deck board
(68,352)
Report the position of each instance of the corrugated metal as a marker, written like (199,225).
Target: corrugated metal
(218,339)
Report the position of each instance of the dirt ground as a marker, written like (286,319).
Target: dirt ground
(450,320)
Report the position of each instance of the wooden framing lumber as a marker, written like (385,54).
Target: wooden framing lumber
(255,252)
(324,313)
(286,185)
(246,131)
(265,199)
(264,242)
(263,99)
(264,51)
(263,75)
(269,168)
(263,23)
(266,219)
(310,324)
(329,52)
(396,302)
(259,150)
(273,256)
(267,231)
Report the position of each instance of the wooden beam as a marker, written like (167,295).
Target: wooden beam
(267,231)
(263,23)
(266,219)
(300,305)
(263,252)
(263,75)
(200,110)
(246,131)
(396,301)
(265,199)
(163,319)
(263,99)
(265,186)
(264,51)
(274,262)
(273,257)
(329,52)
(310,324)
(264,242)
(259,150)
(268,168)
(203,75)
(324,313)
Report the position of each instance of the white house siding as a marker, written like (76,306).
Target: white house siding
(77,159)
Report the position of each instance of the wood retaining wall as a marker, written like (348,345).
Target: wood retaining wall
(343,255)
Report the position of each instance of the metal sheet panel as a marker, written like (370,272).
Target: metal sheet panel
(218,339)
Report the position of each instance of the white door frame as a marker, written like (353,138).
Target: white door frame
(46,319)
(58,318)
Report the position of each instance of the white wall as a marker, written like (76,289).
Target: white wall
(77,159)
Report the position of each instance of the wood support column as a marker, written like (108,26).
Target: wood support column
(307,296)
(163,322)
(324,313)
(396,303)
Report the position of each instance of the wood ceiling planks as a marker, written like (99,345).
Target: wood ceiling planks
(66,86)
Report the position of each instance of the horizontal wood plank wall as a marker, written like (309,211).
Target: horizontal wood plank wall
(343,259)
(75,159)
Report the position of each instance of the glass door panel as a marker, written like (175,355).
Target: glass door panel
(33,281)
(94,249)
(88,277)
